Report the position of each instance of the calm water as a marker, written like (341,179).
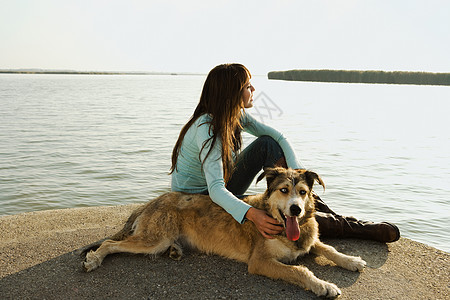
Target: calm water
(73,141)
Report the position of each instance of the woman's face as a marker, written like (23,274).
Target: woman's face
(247,95)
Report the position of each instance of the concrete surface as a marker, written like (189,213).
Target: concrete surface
(37,262)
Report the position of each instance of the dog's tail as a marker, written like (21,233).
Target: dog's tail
(128,229)
(125,232)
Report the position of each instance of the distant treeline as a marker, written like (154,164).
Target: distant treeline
(63,72)
(420,78)
(66,72)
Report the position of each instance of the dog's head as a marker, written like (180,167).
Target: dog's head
(289,196)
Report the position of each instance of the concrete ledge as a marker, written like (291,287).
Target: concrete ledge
(37,261)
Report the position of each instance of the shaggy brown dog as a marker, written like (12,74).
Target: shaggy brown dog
(161,223)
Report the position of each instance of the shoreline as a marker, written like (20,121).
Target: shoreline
(37,261)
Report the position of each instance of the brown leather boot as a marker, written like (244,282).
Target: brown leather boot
(336,226)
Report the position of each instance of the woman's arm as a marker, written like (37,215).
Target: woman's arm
(213,170)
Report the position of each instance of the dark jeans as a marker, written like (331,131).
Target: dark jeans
(263,152)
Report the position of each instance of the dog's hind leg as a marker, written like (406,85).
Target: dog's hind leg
(130,245)
(298,275)
(85,249)
(125,232)
(352,263)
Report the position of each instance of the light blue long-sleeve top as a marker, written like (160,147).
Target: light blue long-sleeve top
(189,176)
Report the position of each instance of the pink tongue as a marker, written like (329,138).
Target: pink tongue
(292,231)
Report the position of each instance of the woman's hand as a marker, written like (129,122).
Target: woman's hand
(265,224)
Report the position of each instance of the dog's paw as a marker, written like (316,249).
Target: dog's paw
(91,262)
(326,289)
(355,263)
(175,252)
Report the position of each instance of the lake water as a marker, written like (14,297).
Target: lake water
(74,140)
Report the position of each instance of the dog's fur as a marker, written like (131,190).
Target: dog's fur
(161,223)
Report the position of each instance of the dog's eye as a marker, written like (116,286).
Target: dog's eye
(302,192)
(284,190)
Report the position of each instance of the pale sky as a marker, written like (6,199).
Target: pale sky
(196,35)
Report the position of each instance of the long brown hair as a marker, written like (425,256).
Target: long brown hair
(220,98)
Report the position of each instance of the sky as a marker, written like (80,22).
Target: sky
(196,35)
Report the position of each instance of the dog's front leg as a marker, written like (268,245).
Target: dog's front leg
(298,275)
(352,263)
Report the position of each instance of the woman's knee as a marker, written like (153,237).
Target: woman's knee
(269,143)
(272,149)
(266,140)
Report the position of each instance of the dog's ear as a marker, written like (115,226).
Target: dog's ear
(311,177)
(270,174)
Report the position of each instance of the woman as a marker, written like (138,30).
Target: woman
(206,158)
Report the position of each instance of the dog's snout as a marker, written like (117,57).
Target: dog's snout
(295,210)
